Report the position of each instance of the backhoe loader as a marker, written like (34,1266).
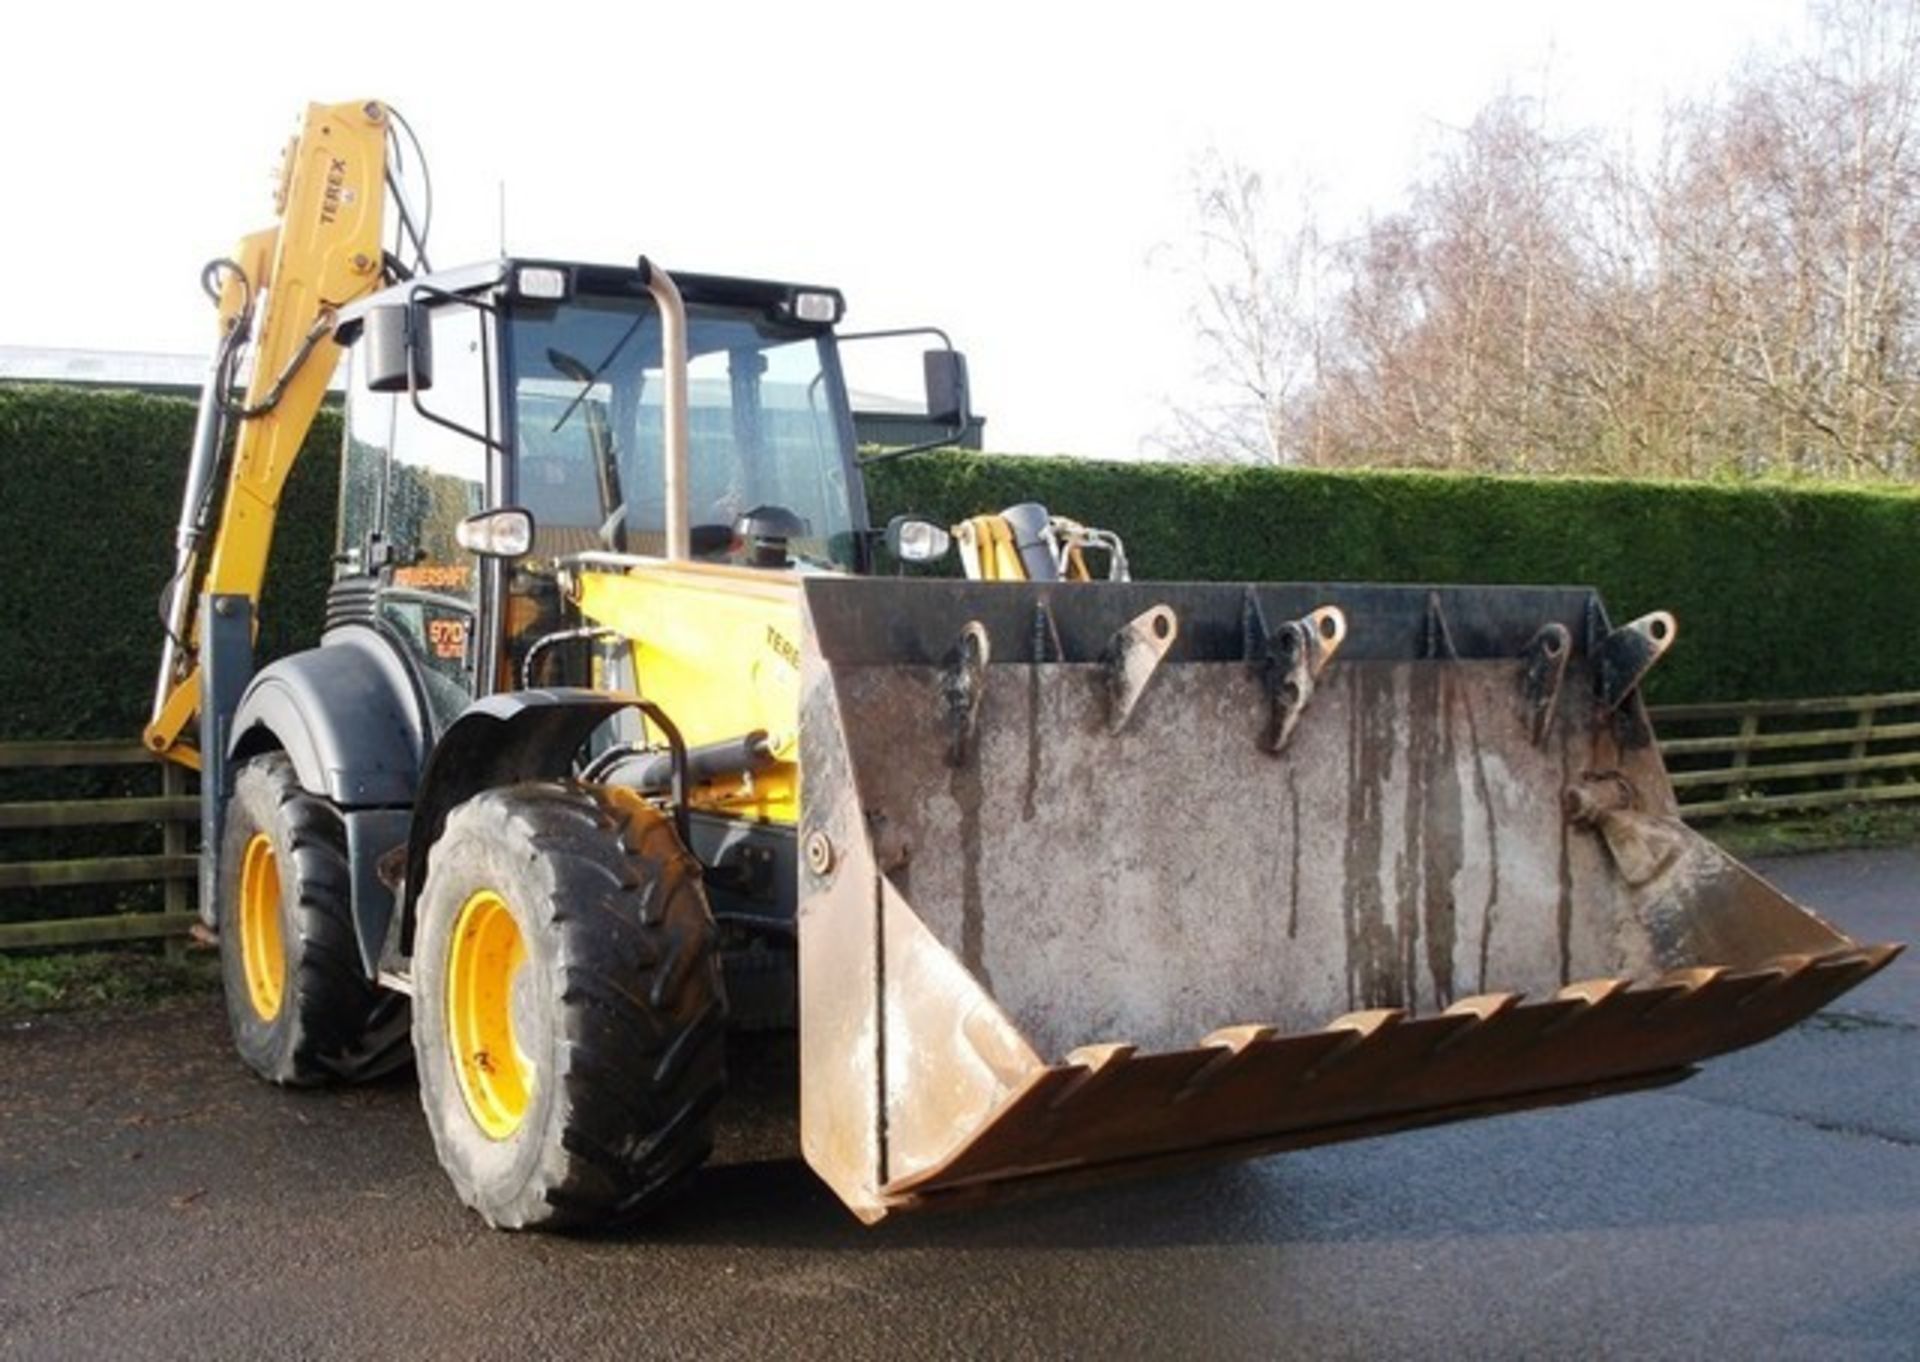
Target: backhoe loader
(626,727)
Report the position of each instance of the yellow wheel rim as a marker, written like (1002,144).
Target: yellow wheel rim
(487,962)
(263,955)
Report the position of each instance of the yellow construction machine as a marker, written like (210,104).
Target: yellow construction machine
(626,727)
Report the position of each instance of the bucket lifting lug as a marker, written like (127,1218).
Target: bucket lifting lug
(1626,654)
(1546,667)
(1289,661)
(1131,658)
(962,688)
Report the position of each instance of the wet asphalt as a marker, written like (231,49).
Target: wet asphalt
(157,1202)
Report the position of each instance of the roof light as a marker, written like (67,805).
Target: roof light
(810,305)
(540,281)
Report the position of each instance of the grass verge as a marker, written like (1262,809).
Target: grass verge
(97,979)
(1869,825)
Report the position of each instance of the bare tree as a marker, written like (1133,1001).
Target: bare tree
(1744,301)
(1257,317)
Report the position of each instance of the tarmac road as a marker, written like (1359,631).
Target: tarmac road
(157,1202)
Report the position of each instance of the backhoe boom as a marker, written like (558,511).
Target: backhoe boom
(281,288)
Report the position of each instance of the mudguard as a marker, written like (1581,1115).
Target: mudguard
(352,720)
(348,716)
(501,740)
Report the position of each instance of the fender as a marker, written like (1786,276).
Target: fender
(351,718)
(347,715)
(501,740)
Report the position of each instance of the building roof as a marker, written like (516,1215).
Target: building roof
(149,370)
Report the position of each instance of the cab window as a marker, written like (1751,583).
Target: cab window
(764,428)
(436,477)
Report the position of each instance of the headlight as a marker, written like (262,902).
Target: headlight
(503,533)
(913,540)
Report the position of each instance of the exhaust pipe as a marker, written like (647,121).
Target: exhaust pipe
(673,366)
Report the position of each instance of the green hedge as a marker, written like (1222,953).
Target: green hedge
(1780,590)
(92,490)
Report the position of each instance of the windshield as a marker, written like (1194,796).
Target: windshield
(764,429)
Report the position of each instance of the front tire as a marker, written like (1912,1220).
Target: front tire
(569,1018)
(299,1003)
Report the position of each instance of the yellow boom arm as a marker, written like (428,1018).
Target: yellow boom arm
(284,285)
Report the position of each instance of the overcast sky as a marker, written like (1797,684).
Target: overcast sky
(1016,173)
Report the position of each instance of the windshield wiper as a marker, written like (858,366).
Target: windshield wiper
(606,467)
(586,385)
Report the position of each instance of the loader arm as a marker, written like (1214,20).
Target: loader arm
(280,293)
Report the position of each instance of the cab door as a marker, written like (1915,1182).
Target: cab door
(416,465)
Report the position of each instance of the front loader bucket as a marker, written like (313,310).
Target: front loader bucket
(1101,877)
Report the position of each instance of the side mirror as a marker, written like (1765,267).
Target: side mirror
(913,540)
(949,400)
(506,532)
(396,348)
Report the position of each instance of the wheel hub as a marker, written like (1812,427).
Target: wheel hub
(488,1010)
(263,954)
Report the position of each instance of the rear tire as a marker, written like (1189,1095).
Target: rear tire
(299,1003)
(569,1015)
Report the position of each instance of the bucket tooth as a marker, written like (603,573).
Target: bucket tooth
(1615,1010)
(1135,1112)
(1237,1038)
(1781,987)
(1484,1006)
(1592,990)
(1098,1064)
(1351,1041)
(1697,976)
(1094,1058)
(1368,1022)
(1477,1012)
(1229,1046)
(1701,995)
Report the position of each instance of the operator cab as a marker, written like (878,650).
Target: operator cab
(539,385)
(769,431)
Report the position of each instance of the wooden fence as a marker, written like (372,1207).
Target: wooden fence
(1771,756)
(1726,759)
(175,810)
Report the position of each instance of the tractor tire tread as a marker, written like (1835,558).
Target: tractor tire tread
(335,1024)
(638,1005)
